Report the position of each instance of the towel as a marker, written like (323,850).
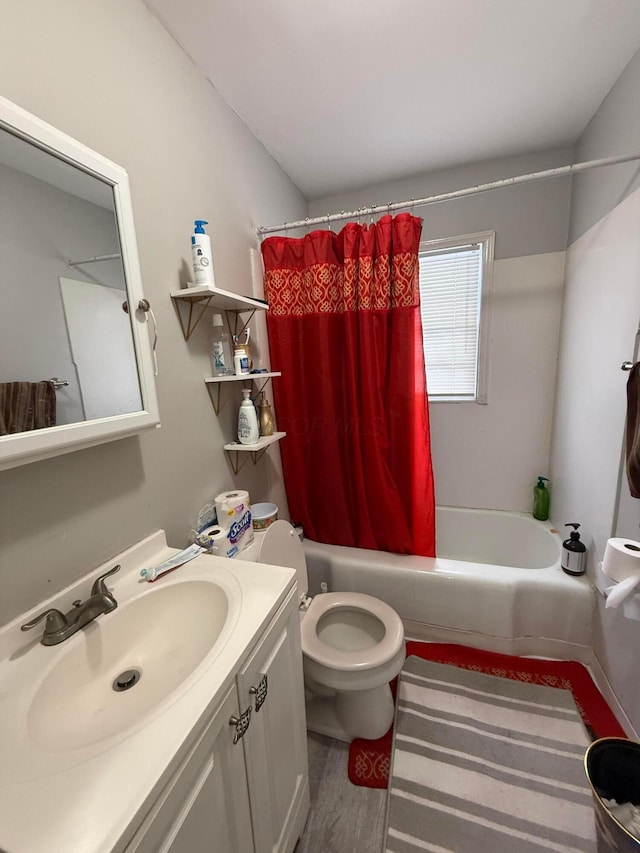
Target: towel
(26,406)
(633,430)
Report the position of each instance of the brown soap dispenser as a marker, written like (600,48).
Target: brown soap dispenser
(266,417)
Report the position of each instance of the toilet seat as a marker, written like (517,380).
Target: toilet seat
(361,659)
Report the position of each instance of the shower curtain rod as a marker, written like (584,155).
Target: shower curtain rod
(558,172)
(94,259)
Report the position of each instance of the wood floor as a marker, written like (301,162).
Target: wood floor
(344,818)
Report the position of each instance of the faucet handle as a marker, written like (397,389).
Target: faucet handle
(99,586)
(56,621)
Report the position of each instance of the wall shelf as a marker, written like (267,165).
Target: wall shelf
(215,383)
(256,450)
(198,299)
(201,297)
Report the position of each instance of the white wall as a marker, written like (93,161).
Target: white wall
(490,455)
(529,219)
(108,74)
(600,317)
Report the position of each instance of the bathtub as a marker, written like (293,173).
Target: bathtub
(496,584)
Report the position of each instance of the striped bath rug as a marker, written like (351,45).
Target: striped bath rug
(486,765)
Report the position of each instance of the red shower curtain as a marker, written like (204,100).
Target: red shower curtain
(344,329)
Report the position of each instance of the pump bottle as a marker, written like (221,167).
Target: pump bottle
(574,553)
(248,431)
(266,417)
(202,257)
(541,500)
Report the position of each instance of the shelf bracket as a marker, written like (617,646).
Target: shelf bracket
(214,395)
(237,465)
(189,326)
(262,387)
(237,320)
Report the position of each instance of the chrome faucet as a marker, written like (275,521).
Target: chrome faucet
(60,626)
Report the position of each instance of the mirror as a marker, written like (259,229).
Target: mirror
(75,364)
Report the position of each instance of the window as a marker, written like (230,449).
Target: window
(455,286)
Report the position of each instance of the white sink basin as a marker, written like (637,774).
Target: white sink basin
(163,636)
(88,761)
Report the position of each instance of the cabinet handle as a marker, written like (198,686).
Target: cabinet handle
(241,724)
(260,692)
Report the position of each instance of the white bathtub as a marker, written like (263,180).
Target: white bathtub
(496,584)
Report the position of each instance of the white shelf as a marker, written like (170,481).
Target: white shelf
(212,297)
(238,377)
(256,450)
(221,299)
(261,443)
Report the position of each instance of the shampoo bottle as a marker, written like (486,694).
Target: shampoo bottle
(248,432)
(574,553)
(202,257)
(541,500)
(221,357)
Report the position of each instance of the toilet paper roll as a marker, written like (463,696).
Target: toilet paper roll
(231,506)
(621,563)
(620,592)
(621,559)
(214,539)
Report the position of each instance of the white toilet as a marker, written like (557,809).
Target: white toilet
(352,645)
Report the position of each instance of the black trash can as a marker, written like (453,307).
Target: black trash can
(612,765)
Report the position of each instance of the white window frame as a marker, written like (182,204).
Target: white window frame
(487,240)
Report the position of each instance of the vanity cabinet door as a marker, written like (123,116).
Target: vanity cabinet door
(205,808)
(275,745)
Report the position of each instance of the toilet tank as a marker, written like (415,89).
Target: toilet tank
(279,545)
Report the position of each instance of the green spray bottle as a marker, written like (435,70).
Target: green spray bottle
(541,500)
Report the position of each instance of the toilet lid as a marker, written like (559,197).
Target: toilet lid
(316,649)
(279,545)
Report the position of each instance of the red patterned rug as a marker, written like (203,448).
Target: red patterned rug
(369,760)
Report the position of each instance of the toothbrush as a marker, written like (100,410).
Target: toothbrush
(172,563)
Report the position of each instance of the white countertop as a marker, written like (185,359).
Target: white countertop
(85,801)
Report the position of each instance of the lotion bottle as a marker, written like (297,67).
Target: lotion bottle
(248,431)
(266,417)
(574,553)
(202,257)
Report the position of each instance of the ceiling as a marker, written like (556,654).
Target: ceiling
(347,93)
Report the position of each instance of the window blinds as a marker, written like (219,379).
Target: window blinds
(450,297)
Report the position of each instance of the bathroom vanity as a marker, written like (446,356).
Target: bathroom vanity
(206,751)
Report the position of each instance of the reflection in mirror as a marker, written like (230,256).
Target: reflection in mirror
(62,288)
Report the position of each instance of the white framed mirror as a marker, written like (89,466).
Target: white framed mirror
(76,367)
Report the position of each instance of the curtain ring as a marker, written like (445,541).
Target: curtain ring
(306,222)
(329,223)
(388,208)
(372,208)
